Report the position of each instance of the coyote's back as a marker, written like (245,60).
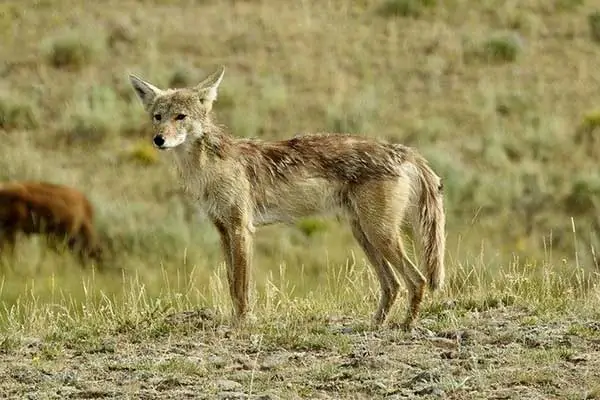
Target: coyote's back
(244,183)
(313,174)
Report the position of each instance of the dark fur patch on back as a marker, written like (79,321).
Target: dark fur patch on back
(336,156)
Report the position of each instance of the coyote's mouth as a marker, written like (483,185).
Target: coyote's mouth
(162,143)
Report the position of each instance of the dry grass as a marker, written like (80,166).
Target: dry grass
(502,99)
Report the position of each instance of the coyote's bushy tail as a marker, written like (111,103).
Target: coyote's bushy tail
(431,220)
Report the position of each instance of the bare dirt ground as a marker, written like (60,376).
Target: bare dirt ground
(502,353)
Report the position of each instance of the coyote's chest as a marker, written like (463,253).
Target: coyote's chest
(195,181)
(217,188)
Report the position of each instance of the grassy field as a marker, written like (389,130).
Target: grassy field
(502,97)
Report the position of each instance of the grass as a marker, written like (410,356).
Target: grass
(500,98)
(180,339)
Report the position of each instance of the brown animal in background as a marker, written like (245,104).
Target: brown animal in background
(243,183)
(57,211)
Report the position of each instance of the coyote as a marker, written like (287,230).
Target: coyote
(245,183)
(57,211)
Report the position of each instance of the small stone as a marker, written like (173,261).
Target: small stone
(273,361)
(217,361)
(67,377)
(380,385)
(431,391)
(449,355)
(267,396)
(231,395)
(229,386)
(444,343)
(577,358)
(423,377)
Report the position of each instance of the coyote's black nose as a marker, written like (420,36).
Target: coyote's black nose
(159,140)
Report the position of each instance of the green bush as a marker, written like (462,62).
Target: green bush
(405,8)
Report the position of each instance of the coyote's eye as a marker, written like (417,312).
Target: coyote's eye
(157,117)
(179,117)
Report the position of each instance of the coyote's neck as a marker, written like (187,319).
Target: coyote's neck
(195,157)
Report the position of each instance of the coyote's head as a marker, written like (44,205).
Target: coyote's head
(178,113)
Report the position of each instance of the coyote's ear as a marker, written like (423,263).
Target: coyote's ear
(208,87)
(145,91)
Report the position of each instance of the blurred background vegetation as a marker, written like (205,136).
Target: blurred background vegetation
(502,97)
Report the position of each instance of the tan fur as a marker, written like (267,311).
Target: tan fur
(244,183)
(58,211)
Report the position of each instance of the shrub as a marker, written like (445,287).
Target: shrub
(502,48)
(72,50)
(15,113)
(144,153)
(583,195)
(498,48)
(182,76)
(594,24)
(94,115)
(567,5)
(354,114)
(311,226)
(405,8)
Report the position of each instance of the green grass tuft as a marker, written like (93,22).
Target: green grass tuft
(17,114)
(311,226)
(144,153)
(502,48)
(405,8)
(594,25)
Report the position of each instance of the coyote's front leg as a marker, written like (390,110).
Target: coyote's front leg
(240,241)
(227,253)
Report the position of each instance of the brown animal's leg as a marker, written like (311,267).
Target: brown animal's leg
(75,246)
(387,280)
(241,255)
(87,244)
(227,253)
(67,232)
(96,250)
(15,223)
(9,241)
